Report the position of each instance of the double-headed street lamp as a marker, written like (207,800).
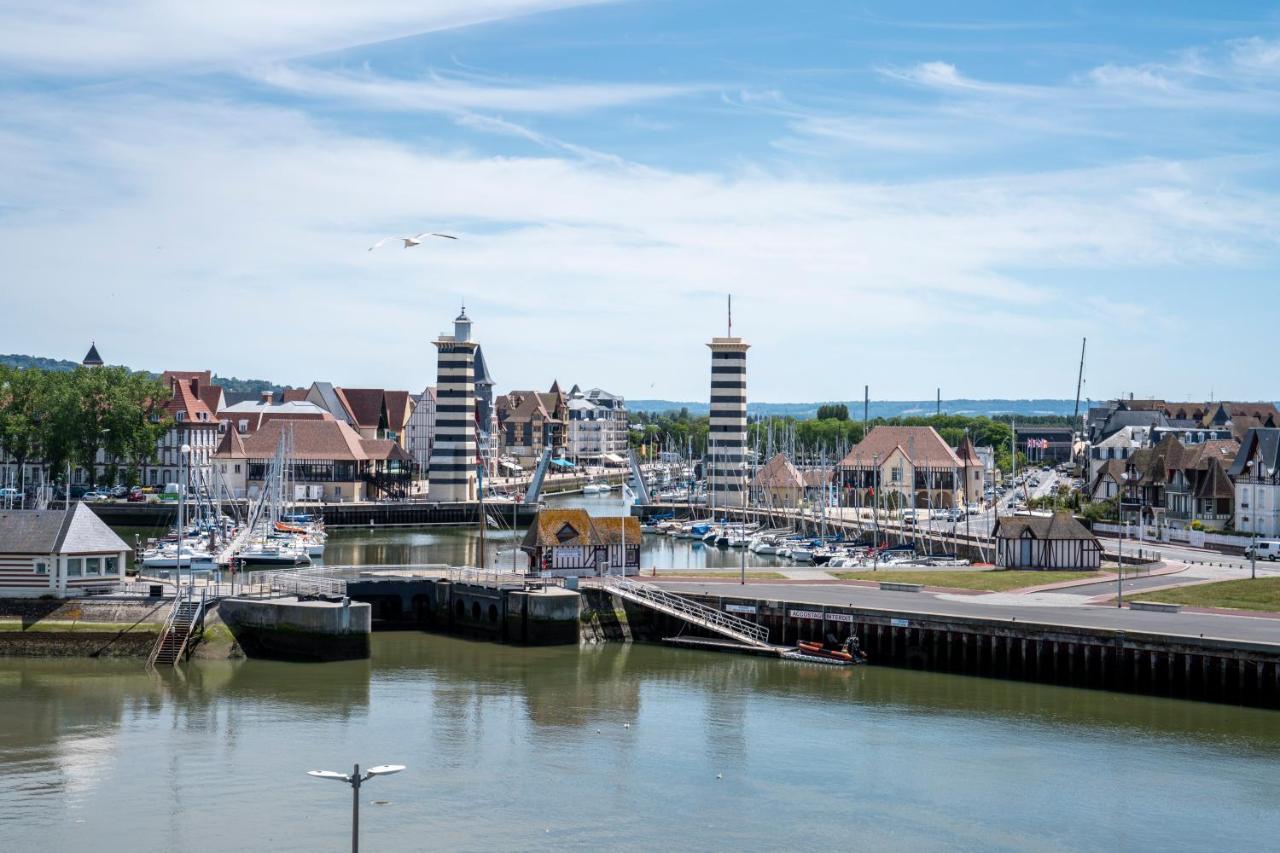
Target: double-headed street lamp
(355,780)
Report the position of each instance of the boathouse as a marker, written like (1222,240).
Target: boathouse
(58,552)
(570,543)
(1057,541)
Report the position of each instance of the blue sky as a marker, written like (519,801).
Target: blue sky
(952,197)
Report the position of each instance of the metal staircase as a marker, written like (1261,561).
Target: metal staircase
(185,617)
(717,621)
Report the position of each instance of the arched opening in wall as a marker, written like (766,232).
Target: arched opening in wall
(493,613)
(475,611)
(460,609)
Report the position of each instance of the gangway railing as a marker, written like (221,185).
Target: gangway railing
(299,582)
(686,609)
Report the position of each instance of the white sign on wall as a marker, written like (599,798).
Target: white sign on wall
(740,608)
(817,614)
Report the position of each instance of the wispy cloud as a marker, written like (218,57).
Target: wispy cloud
(439,92)
(262,210)
(88,37)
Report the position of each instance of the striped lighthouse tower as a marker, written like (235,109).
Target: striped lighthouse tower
(452,469)
(727,440)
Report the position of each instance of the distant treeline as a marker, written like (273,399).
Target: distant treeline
(828,438)
(230,385)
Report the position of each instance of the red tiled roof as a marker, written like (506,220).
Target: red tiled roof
(922,446)
(294,395)
(311,439)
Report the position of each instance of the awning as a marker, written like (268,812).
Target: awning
(562,463)
(613,459)
(510,466)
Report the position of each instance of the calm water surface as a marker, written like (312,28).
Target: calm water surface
(526,749)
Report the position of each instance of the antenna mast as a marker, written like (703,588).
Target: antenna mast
(1079,381)
(730,316)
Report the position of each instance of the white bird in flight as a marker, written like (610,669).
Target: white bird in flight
(414,240)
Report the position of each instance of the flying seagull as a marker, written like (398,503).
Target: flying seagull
(414,240)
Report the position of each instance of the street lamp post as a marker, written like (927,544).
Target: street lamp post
(355,780)
(1124,528)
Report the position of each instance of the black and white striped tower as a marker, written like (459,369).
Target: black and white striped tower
(452,469)
(727,440)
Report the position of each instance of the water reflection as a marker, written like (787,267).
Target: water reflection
(612,746)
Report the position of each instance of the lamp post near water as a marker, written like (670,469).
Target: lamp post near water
(355,780)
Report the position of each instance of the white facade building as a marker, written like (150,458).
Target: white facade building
(421,433)
(598,429)
(1256,473)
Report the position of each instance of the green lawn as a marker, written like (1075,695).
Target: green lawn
(992,580)
(1247,594)
(703,574)
(61,626)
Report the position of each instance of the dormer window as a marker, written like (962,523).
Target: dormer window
(180,417)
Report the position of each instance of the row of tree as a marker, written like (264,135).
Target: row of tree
(60,417)
(818,437)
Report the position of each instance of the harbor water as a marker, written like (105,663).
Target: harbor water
(610,747)
(614,747)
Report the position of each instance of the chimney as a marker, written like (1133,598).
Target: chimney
(195,385)
(266,398)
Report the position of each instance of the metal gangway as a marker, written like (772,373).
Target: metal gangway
(709,618)
(277,583)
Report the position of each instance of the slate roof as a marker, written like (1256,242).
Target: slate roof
(1121,418)
(922,446)
(1061,525)
(91,358)
(1262,441)
(50,531)
(1215,483)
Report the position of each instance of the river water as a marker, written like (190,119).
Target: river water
(610,747)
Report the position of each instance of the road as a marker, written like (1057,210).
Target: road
(1236,629)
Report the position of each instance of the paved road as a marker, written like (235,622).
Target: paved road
(1241,629)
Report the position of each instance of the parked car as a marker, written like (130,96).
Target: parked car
(90,497)
(136,497)
(119,491)
(955,514)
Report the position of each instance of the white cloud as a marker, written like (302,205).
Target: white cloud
(247,227)
(440,93)
(89,37)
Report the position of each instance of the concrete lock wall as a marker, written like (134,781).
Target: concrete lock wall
(543,617)
(299,630)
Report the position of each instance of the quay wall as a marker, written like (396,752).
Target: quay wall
(1177,666)
(80,628)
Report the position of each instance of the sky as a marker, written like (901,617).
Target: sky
(950,195)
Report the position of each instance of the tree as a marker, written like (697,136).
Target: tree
(833,412)
(24,413)
(105,409)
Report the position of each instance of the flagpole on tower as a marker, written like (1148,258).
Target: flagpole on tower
(730,316)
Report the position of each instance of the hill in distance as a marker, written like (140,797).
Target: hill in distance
(881,408)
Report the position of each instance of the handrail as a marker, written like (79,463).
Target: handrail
(688,609)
